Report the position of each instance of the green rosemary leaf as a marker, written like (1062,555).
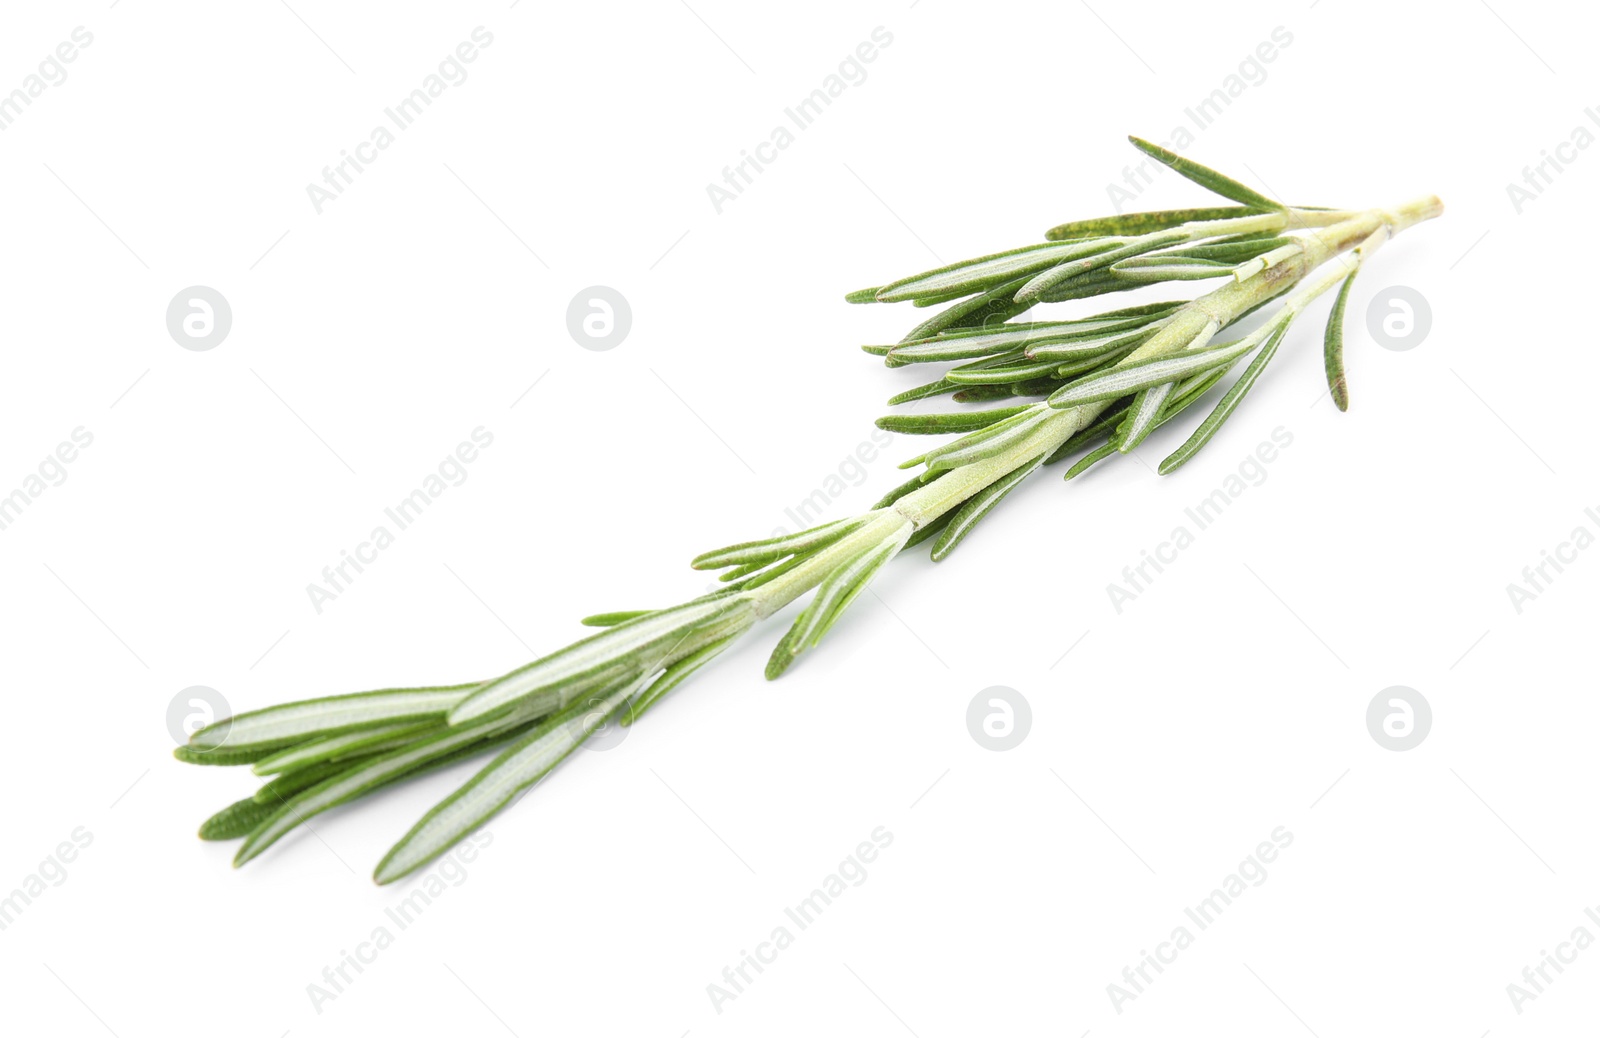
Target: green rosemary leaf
(226,756)
(937,388)
(1002,370)
(1226,406)
(1235,249)
(286,785)
(615,654)
(898,492)
(978,506)
(1039,284)
(773,548)
(987,309)
(1124,380)
(1150,269)
(365,777)
(1079,349)
(985,442)
(1095,362)
(1132,224)
(959,421)
(519,766)
(331,715)
(1208,178)
(1143,416)
(984,272)
(1333,346)
(978,394)
(338,747)
(862,295)
(833,597)
(1084,463)
(235,820)
(612,619)
(671,678)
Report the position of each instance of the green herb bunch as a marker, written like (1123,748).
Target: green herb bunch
(1086,388)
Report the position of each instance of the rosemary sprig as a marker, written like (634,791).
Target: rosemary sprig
(1095,386)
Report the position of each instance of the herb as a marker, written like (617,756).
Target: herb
(1093,387)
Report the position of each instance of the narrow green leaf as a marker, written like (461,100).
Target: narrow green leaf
(774,548)
(519,766)
(227,756)
(1151,269)
(235,820)
(959,421)
(862,295)
(1084,463)
(979,505)
(1333,346)
(1143,416)
(334,747)
(1226,406)
(612,619)
(984,272)
(1132,224)
(671,678)
(1134,377)
(1080,349)
(833,597)
(985,310)
(1208,178)
(279,725)
(1003,370)
(367,776)
(986,443)
(285,786)
(615,654)
(1035,288)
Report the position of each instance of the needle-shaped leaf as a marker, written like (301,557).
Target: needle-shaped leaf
(616,654)
(362,778)
(671,678)
(1226,406)
(1077,349)
(984,272)
(517,767)
(226,756)
(347,744)
(612,619)
(986,443)
(1333,346)
(833,597)
(1208,178)
(235,820)
(862,295)
(774,548)
(1036,287)
(1134,377)
(1000,371)
(1132,224)
(989,308)
(937,388)
(276,726)
(1149,269)
(1142,416)
(959,421)
(978,506)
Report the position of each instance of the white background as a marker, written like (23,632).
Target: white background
(367,341)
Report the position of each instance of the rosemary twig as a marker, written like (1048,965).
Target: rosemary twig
(1093,386)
